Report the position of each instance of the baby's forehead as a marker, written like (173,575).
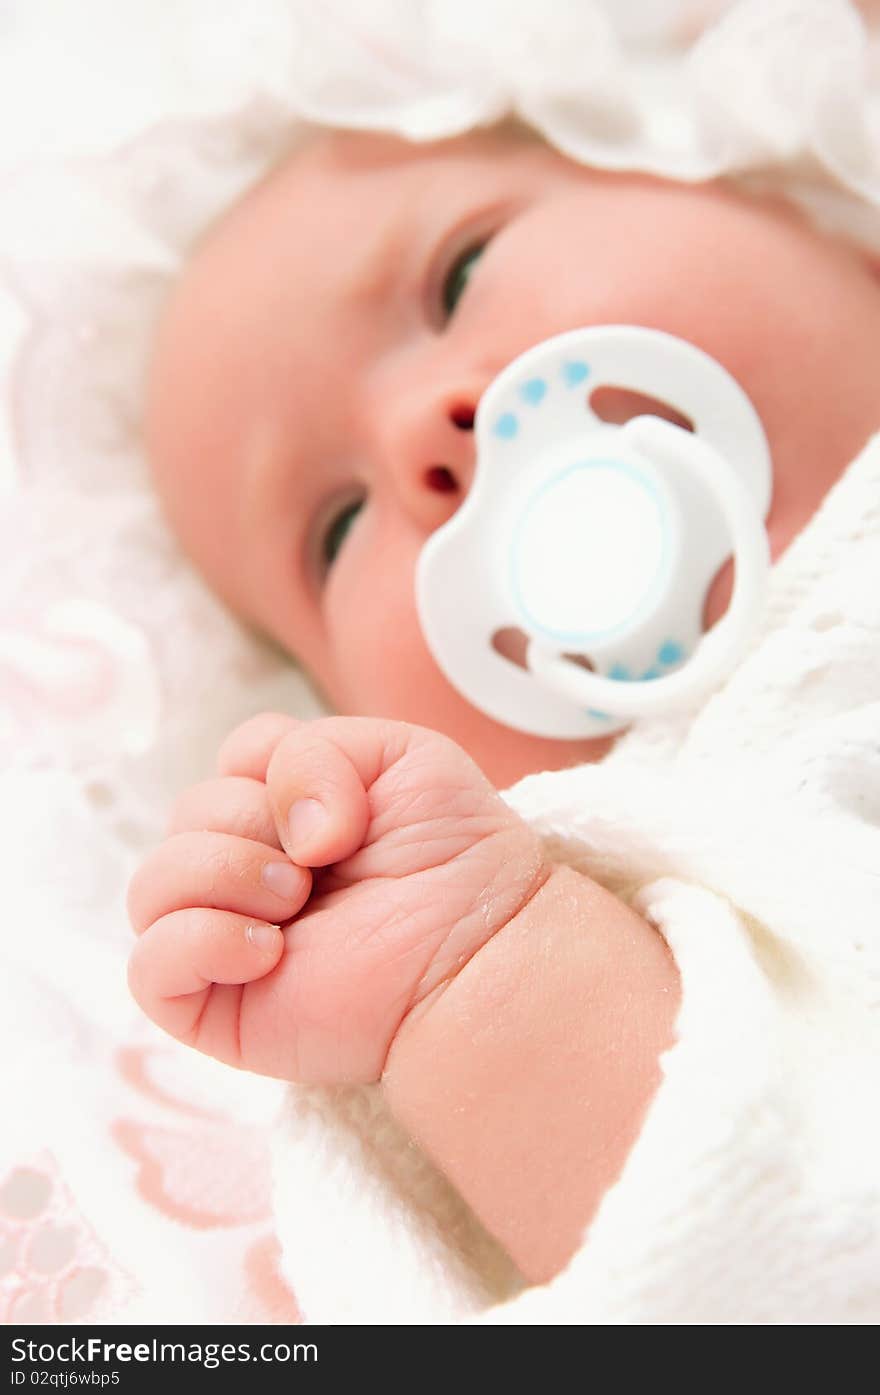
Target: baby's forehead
(330,170)
(314,217)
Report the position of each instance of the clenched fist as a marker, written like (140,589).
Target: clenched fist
(337,874)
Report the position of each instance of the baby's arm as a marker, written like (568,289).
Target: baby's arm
(527,1076)
(514,1010)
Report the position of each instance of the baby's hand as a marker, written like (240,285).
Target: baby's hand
(418,863)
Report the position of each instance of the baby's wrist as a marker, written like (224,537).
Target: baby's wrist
(521,870)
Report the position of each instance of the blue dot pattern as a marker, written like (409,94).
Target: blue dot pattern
(506,426)
(533,391)
(669,654)
(575,372)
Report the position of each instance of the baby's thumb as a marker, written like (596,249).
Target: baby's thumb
(317,795)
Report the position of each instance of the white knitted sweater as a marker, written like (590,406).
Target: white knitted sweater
(750,834)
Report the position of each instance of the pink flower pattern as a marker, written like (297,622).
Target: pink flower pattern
(195,1169)
(53,1268)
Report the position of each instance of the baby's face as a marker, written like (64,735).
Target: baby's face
(318,367)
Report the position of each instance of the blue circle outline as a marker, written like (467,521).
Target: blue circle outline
(638,477)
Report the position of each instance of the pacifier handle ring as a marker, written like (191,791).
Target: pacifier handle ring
(720,648)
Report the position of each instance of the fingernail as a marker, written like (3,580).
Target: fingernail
(306,818)
(282,878)
(263,936)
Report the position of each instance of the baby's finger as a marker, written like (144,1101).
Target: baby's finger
(231,805)
(219,871)
(317,780)
(247,749)
(178,962)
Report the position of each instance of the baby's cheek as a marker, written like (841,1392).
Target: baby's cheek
(381,662)
(383,666)
(379,659)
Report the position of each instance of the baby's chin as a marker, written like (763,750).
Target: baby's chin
(518,755)
(504,753)
(507,755)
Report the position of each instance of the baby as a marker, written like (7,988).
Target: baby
(351,900)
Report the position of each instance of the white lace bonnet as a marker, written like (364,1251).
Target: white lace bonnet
(120,672)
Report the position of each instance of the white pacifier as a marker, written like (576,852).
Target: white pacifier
(599,542)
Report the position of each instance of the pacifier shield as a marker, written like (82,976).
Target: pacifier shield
(596,541)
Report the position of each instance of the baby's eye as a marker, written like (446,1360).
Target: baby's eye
(457,277)
(335,534)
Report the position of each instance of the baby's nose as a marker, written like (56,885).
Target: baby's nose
(455,478)
(436,466)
